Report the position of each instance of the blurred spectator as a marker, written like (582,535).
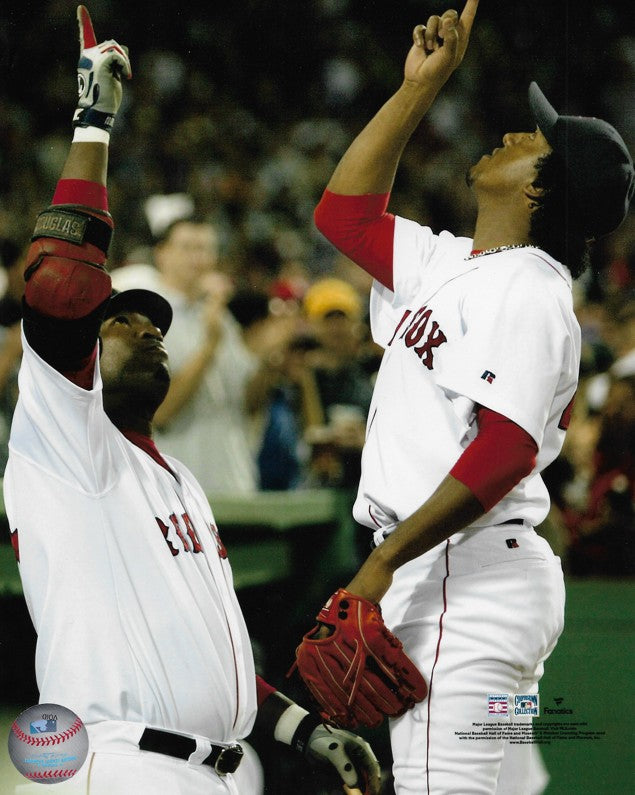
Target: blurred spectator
(12,263)
(619,335)
(334,310)
(203,420)
(250,308)
(281,398)
(604,532)
(265,334)
(293,406)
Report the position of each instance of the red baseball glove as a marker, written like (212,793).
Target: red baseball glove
(360,673)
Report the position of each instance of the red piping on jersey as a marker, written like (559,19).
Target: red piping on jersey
(231,640)
(370,513)
(436,658)
(360,227)
(552,267)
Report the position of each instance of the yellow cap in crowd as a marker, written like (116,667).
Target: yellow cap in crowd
(332,295)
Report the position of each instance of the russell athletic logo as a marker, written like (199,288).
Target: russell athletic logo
(488,376)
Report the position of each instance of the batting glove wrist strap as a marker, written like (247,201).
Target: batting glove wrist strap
(89,117)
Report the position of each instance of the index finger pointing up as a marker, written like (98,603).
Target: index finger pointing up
(468,14)
(86,33)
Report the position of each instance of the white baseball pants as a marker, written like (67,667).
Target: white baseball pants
(479,615)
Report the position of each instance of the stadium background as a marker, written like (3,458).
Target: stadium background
(247,106)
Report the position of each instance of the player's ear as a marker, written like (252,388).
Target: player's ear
(533,195)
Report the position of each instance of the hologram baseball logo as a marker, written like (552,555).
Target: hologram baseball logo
(526,704)
(497,704)
(48,743)
(44,725)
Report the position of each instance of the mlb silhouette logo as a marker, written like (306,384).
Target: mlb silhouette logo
(488,376)
(42,726)
(526,704)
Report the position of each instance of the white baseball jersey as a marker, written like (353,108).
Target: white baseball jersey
(125,577)
(496,330)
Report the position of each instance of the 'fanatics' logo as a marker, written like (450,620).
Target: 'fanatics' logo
(488,376)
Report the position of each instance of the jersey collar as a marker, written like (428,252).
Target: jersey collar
(146,444)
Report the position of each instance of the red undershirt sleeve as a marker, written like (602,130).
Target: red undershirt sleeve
(360,228)
(263,690)
(500,456)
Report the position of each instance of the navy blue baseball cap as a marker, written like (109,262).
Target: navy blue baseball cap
(145,302)
(598,164)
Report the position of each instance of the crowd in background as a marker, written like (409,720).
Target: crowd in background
(234,120)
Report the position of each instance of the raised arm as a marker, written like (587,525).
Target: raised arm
(370,163)
(67,285)
(352,212)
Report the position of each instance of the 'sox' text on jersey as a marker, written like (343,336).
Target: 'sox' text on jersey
(420,332)
(188,540)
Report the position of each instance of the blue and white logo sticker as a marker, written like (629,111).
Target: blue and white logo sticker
(526,704)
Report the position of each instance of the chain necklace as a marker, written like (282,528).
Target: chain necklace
(497,249)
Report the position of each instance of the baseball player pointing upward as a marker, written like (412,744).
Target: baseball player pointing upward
(471,402)
(126,578)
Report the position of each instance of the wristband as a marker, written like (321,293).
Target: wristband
(303,732)
(66,222)
(294,727)
(91,135)
(89,117)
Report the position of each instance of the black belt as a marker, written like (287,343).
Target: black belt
(374,544)
(223,758)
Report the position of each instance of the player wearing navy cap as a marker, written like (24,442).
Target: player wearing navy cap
(471,403)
